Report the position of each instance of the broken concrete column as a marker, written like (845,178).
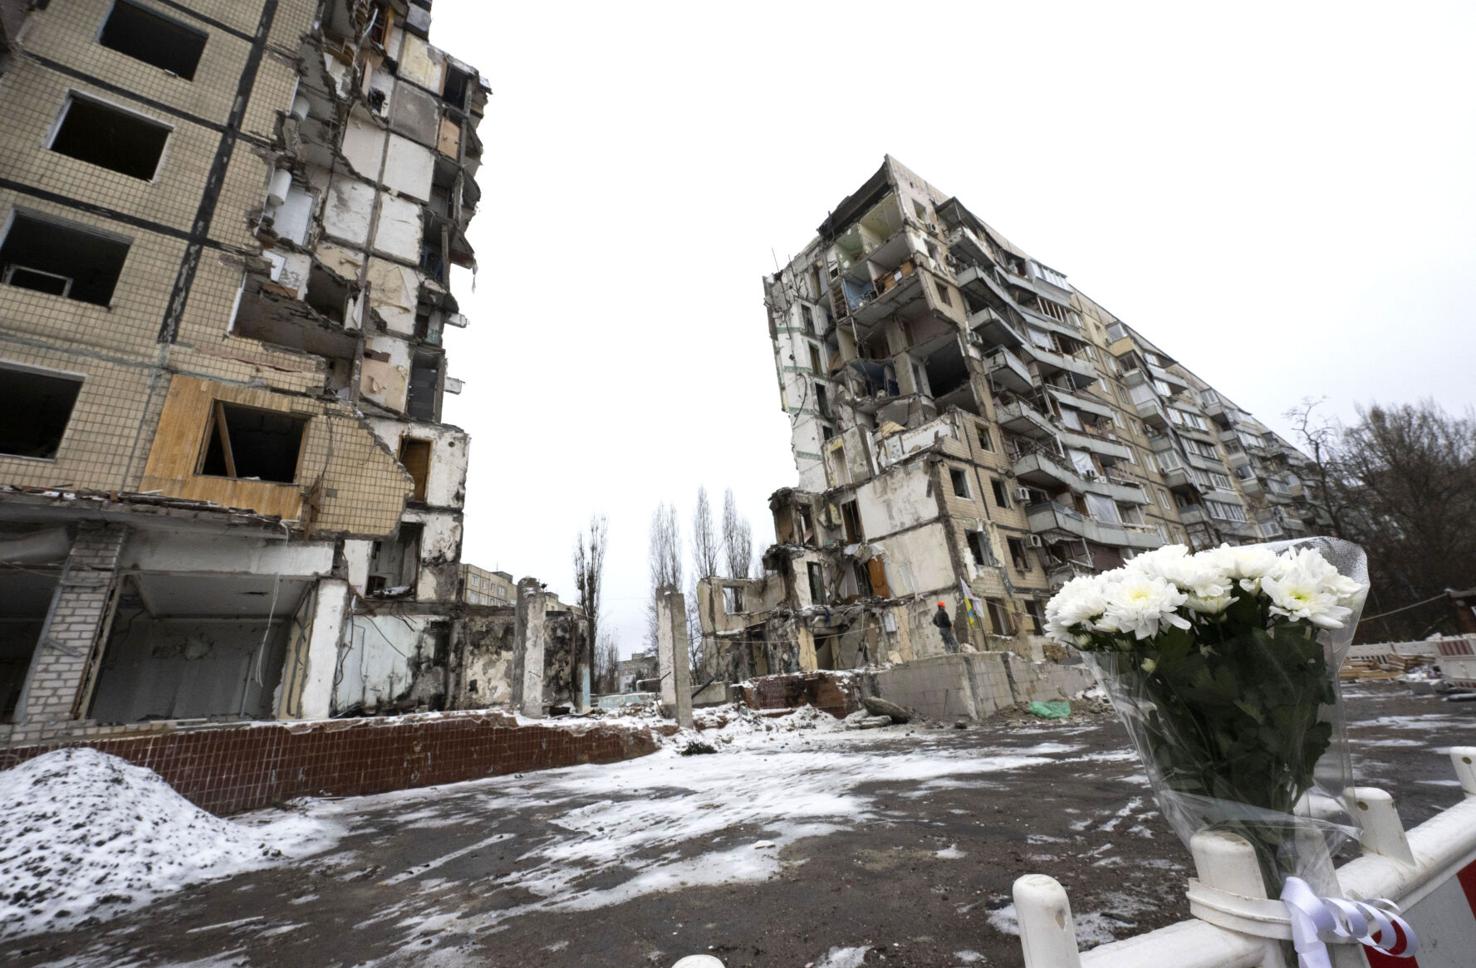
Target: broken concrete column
(326,611)
(673,654)
(527,662)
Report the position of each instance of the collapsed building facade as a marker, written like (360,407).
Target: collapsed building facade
(970,429)
(226,490)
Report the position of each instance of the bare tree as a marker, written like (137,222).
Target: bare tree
(706,544)
(1319,438)
(607,663)
(737,539)
(589,571)
(664,559)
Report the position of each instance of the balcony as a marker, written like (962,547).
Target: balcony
(1008,372)
(1082,403)
(1019,417)
(1045,471)
(1096,444)
(1048,517)
(994,329)
(1151,412)
(1081,372)
(1179,479)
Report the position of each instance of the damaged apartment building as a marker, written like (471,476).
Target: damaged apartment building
(970,429)
(227,232)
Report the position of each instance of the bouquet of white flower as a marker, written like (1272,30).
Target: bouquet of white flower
(1223,666)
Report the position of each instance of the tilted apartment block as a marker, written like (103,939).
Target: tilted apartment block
(225,487)
(969,429)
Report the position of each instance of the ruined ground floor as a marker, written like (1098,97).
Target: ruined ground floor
(779,851)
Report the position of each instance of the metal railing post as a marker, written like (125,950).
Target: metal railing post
(1047,931)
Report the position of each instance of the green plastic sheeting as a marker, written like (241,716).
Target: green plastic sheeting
(1056,709)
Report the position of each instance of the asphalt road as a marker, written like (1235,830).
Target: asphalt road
(893,847)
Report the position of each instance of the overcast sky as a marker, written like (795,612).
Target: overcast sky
(1280,195)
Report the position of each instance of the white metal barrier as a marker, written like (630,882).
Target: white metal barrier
(1430,872)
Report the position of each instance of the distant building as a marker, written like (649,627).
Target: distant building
(969,428)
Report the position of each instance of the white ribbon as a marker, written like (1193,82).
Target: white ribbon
(1315,920)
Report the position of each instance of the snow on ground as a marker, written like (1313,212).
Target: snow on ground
(668,820)
(87,835)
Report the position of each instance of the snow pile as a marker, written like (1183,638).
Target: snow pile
(736,725)
(87,835)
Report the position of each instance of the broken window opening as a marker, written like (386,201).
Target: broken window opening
(851,521)
(425,379)
(1001,493)
(415,455)
(110,137)
(1018,557)
(458,83)
(395,564)
(23,611)
(327,295)
(999,618)
(247,443)
(959,479)
(732,600)
(817,583)
(144,35)
(61,259)
(979,548)
(35,409)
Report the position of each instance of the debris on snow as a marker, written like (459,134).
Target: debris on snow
(86,835)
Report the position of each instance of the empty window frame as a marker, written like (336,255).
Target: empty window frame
(979,547)
(425,383)
(959,478)
(34,411)
(1018,558)
(1001,493)
(817,582)
(110,137)
(732,600)
(153,38)
(61,259)
(247,443)
(851,522)
(999,617)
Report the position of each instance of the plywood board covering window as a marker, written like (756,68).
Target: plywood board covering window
(416,456)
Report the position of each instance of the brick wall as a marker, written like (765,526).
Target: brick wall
(837,694)
(78,620)
(230,769)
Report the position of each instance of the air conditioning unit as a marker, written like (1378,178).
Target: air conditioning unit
(1022,493)
(1034,541)
(1090,475)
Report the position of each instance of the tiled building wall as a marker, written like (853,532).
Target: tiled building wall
(230,769)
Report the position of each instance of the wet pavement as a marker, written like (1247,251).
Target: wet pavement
(893,846)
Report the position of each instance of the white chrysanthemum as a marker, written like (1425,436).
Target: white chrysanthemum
(1079,602)
(1141,605)
(1305,587)
(1163,562)
(1198,577)
(1247,563)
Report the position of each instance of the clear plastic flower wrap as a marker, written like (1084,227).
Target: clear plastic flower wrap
(1223,667)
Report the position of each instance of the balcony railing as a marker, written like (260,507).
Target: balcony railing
(1008,371)
(1019,417)
(1049,516)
